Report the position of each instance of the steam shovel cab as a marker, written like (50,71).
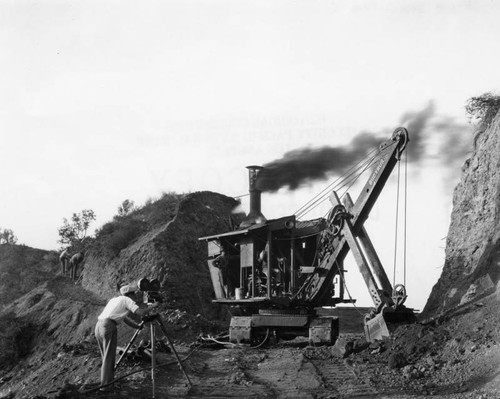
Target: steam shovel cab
(257,270)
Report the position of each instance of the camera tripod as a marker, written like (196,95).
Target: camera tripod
(151,320)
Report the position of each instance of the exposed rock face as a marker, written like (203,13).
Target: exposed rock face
(471,270)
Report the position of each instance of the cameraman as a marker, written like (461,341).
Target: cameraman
(116,311)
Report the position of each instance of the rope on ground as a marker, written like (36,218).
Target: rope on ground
(217,341)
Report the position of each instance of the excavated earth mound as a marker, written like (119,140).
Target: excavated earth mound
(51,325)
(167,249)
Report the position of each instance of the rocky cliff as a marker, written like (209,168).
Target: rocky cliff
(472,264)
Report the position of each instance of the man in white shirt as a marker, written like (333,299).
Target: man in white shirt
(74,262)
(116,311)
(64,259)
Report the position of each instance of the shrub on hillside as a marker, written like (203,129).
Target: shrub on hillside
(163,209)
(483,108)
(128,226)
(118,234)
(126,207)
(7,236)
(16,339)
(73,232)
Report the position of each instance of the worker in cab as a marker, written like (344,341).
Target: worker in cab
(230,271)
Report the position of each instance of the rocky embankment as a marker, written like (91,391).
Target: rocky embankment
(472,266)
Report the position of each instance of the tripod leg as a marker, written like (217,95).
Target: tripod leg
(160,323)
(153,358)
(128,347)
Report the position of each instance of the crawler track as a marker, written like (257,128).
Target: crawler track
(282,372)
(342,379)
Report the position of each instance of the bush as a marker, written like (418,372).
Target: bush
(164,209)
(7,237)
(483,108)
(16,339)
(128,226)
(118,234)
(74,231)
(126,208)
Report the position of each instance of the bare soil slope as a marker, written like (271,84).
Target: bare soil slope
(448,360)
(23,268)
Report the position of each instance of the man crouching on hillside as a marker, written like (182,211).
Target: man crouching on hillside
(116,311)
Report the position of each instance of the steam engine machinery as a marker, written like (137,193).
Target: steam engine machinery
(276,275)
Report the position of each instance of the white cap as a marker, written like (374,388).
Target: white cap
(126,289)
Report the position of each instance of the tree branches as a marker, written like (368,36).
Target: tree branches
(74,231)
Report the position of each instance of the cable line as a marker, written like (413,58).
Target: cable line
(405,216)
(337,184)
(405,211)
(396,228)
(346,180)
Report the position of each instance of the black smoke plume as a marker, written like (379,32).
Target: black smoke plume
(416,122)
(301,166)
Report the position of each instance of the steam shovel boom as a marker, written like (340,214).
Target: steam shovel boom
(276,273)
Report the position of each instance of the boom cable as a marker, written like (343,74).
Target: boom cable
(342,278)
(339,183)
(320,197)
(405,217)
(405,212)
(349,183)
(346,180)
(396,229)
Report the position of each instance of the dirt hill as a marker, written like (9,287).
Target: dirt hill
(23,268)
(157,241)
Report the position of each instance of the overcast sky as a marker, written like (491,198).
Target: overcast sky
(102,101)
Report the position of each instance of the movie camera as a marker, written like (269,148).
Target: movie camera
(151,290)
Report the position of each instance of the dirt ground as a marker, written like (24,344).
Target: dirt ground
(456,358)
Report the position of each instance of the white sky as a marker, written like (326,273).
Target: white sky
(102,101)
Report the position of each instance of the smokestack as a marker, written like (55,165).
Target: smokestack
(254,215)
